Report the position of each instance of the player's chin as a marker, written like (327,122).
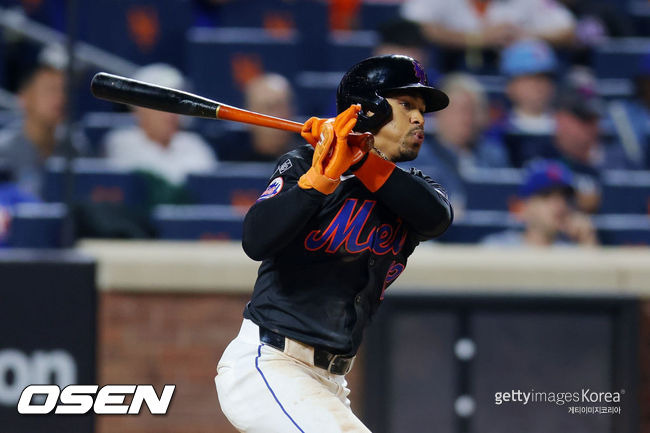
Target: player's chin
(409,151)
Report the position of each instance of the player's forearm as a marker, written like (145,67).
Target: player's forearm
(271,224)
(420,202)
(423,207)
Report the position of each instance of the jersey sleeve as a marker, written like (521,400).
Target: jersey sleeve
(282,210)
(419,200)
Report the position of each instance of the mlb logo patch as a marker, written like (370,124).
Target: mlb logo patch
(274,187)
(286,165)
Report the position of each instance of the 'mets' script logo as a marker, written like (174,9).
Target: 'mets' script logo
(347,226)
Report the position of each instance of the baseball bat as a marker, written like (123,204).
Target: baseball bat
(133,92)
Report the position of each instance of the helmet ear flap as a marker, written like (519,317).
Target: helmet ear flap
(381,114)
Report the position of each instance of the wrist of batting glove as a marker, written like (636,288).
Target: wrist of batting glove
(317,181)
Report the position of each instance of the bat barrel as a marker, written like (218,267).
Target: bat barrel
(132,92)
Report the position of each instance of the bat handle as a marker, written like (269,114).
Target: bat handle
(226,112)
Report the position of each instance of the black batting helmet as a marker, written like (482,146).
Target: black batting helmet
(367,81)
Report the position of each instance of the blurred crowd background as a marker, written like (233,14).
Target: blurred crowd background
(546,140)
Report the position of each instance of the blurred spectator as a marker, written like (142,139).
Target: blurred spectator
(459,141)
(39,134)
(10,196)
(403,37)
(490,23)
(631,119)
(598,19)
(577,142)
(156,146)
(546,211)
(266,94)
(530,66)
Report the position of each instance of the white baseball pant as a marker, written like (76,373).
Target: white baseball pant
(264,390)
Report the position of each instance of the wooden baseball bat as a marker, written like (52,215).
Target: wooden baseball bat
(132,92)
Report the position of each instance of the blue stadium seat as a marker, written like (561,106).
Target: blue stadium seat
(523,147)
(612,229)
(373,14)
(232,184)
(316,92)
(254,13)
(623,230)
(491,189)
(143,31)
(198,222)
(220,60)
(639,13)
(49,12)
(262,13)
(232,143)
(347,48)
(96,124)
(95,181)
(625,192)
(308,17)
(475,225)
(37,225)
(620,58)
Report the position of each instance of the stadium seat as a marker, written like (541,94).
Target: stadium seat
(50,12)
(475,225)
(625,192)
(221,61)
(620,58)
(491,189)
(639,12)
(143,31)
(346,48)
(316,92)
(612,229)
(95,181)
(37,225)
(198,222)
(230,141)
(372,14)
(238,184)
(96,124)
(523,147)
(623,230)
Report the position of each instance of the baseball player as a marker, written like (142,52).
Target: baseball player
(333,230)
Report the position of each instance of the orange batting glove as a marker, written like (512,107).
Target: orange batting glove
(315,177)
(311,130)
(344,154)
(331,157)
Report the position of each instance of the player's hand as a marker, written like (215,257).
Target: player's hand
(311,130)
(344,154)
(332,154)
(315,177)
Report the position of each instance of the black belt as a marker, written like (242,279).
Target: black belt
(335,364)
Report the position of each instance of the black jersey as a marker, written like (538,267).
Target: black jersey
(327,259)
